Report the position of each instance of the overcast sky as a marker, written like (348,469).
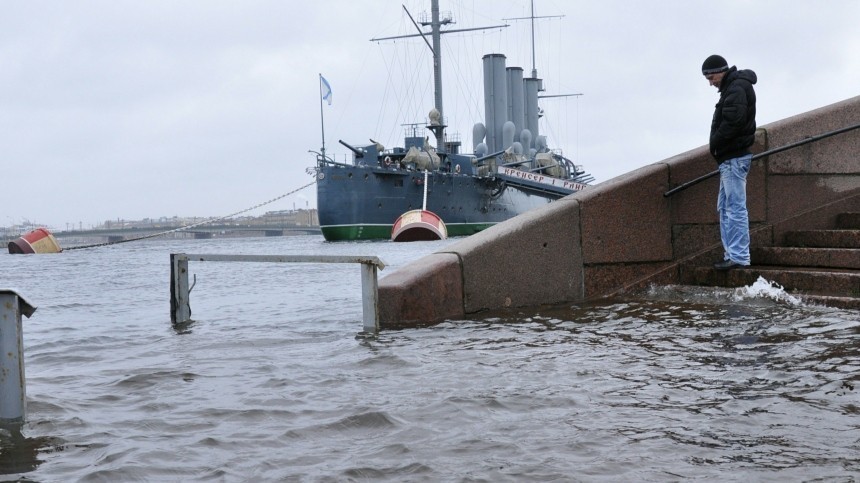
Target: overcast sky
(113,109)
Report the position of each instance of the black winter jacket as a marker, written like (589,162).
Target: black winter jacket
(733,125)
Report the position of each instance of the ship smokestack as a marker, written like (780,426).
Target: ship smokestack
(516,105)
(531,87)
(495,99)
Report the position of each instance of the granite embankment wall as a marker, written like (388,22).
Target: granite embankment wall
(623,234)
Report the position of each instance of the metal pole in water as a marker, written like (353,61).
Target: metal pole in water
(13,394)
(180,305)
(369,297)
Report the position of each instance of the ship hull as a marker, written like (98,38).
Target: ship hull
(362,203)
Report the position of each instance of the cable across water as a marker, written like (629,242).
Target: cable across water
(187,227)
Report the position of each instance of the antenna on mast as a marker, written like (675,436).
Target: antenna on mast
(532,19)
(436,23)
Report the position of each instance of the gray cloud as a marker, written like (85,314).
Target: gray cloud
(203,108)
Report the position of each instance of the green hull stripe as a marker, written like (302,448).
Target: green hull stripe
(383,232)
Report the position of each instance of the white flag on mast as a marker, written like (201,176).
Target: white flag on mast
(325,90)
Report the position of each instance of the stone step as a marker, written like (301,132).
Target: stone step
(796,280)
(831,301)
(819,266)
(807,257)
(823,238)
(848,221)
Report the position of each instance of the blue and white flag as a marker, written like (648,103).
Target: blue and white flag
(325,90)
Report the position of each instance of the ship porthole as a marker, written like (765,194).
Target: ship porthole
(321,176)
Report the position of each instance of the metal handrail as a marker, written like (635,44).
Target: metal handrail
(698,180)
(180,290)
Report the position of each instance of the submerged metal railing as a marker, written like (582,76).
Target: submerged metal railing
(180,306)
(802,142)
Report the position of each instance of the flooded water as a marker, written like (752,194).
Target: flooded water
(272,382)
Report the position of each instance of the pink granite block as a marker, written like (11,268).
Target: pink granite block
(837,154)
(690,239)
(821,218)
(688,204)
(603,280)
(430,290)
(531,259)
(627,219)
(791,196)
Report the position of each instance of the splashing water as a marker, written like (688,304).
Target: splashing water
(762,288)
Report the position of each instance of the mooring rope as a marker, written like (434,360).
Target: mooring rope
(187,227)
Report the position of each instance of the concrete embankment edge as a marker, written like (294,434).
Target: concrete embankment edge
(624,234)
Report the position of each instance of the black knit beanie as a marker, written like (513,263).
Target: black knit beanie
(714,65)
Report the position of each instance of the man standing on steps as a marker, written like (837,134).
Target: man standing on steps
(732,134)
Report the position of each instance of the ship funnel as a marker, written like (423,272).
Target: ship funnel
(531,87)
(495,99)
(516,104)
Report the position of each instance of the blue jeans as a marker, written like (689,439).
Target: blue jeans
(732,207)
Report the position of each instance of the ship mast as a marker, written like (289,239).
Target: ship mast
(532,19)
(436,32)
(437,60)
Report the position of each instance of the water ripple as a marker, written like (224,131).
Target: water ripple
(271,382)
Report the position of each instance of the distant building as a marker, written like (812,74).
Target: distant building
(283,218)
(288,218)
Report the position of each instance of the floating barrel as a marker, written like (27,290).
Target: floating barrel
(39,240)
(418,225)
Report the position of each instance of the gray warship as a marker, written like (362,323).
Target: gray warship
(510,169)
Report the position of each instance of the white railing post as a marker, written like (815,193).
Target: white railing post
(369,297)
(13,391)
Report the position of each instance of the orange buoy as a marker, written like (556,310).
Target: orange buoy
(39,240)
(418,225)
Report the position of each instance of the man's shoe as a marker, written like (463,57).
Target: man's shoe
(726,265)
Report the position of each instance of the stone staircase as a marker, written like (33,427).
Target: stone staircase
(820,266)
